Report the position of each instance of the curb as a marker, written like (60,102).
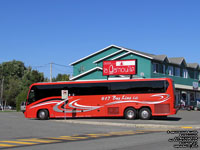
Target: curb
(157,126)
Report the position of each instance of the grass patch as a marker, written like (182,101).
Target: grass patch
(8,111)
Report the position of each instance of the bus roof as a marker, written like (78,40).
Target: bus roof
(98,81)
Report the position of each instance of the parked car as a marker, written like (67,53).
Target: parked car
(23,107)
(8,107)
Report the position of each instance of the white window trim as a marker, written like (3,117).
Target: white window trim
(171,71)
(185,73)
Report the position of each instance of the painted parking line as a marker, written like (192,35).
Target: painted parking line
(186,127)
(7,145)
(74,137)
(39,140)
(63,139)
(18,142)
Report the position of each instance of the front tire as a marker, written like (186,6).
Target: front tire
(145,114)
(43,114)
(130,113)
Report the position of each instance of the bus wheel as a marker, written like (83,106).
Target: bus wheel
(43,114)
(130,113)
(145,114)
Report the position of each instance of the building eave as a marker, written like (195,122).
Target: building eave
(94,54)
(121,56)
(120,48)
(84,73)
(108,56)
(185,87)
(139,54)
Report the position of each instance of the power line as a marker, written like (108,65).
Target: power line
(42,66)
(62,65)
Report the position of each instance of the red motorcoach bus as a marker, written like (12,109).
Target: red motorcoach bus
(131,98)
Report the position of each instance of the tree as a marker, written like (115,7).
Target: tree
(30,77)
(11,91)
(61,77)
(12,69)
(10,75)
(17,79)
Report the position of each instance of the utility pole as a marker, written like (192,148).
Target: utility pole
(51,72)
(2,82)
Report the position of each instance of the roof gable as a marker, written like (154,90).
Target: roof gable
(149,56)
(104,49)
(177,61)
(161,58)
(193,65)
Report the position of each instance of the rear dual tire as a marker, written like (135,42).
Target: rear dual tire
(131,113)
(145,114)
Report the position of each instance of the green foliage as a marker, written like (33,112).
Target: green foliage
(61,77)
(18,78)
(14,69)
(11,90)
(21,98)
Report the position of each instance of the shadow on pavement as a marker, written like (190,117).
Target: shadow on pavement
(160,118)
(167,118)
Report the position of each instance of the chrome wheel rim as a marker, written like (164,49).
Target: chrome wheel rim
(145,114)
(42,114)
(130,114)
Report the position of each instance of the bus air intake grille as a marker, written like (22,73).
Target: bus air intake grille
(162,108)
(113,110)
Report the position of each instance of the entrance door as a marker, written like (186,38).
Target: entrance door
(191,99)
(184,97)
(178,98)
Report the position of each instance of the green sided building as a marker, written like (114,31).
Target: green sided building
(185,75)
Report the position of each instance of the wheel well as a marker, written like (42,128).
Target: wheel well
(129,107)
(145,107)
(42,109)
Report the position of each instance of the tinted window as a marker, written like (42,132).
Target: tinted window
(89,89)
(43,91)
(139,87)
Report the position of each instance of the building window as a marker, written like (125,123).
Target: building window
(155,68)
(177,72)
(171,70)
(163,69)
(185,73)
(158,68)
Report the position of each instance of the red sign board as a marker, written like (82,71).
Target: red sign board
(119,67)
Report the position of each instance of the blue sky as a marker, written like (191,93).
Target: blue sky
(38,32)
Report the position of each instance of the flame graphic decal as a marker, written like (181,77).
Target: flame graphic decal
(84,108)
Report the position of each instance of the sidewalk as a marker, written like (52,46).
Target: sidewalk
(182,120)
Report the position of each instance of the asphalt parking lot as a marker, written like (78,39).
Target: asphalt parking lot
(19,133)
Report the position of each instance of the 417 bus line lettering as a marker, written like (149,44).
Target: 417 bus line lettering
(118,98)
